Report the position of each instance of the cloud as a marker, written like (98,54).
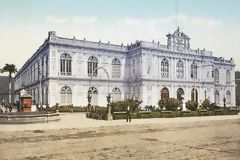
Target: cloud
(142,24)
(85,20)
(65,19)
(56,19)
(184,20)
(208,23)
(205,32)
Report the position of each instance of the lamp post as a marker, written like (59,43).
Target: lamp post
(109,115)
(205,94)
(224,102)
(89,97)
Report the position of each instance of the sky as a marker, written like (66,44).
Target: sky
(211,24)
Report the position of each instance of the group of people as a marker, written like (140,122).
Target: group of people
(4,105)
(7,106)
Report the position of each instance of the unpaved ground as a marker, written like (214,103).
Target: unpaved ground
(183,140)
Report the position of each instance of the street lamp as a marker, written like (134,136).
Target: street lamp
(109,115)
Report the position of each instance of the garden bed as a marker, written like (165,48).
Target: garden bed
(101,112)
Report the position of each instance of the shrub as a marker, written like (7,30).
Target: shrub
(99,113)
(122,105)
(101,110)
(155,114)
(161,103)
(166,114)
(171,104)
(151,108)
(177,113)
(79,109)
(213,107)
(194,113)
(67,108)
(192,105)
(206,104)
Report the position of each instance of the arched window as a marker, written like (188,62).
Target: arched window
(180,69)
(228,97)
(66,95)
(164,93)
(164,68)
(216,76)
(194,70)
(180,93)
(228,77)
(194,95)
(92,65)
(216,97)
(94,93)
(116,68)
(65,64)
(116,94)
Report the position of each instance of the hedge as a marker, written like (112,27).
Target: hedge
(172,114)
(67,108)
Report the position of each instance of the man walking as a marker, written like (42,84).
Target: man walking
(129,113)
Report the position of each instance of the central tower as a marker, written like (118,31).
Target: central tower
(178,41)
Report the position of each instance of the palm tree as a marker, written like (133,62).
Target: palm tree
(11,69)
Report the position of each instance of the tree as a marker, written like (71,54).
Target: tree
(171,104)
(11,69)
(122,105)
(206,104)
(192,105)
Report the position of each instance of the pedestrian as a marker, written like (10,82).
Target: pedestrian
(18,106)
(129,112)
(3,103)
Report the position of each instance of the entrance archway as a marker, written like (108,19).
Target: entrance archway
(180,93)
(194,97)
(164,93)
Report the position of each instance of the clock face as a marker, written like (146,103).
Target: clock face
(179,41)
(179,44)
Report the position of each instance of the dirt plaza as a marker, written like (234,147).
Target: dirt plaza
(76,137)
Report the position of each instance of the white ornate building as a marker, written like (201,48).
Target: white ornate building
(59,72)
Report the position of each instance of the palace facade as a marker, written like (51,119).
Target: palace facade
(61,69)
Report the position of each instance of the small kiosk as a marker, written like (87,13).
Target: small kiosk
(26,101)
